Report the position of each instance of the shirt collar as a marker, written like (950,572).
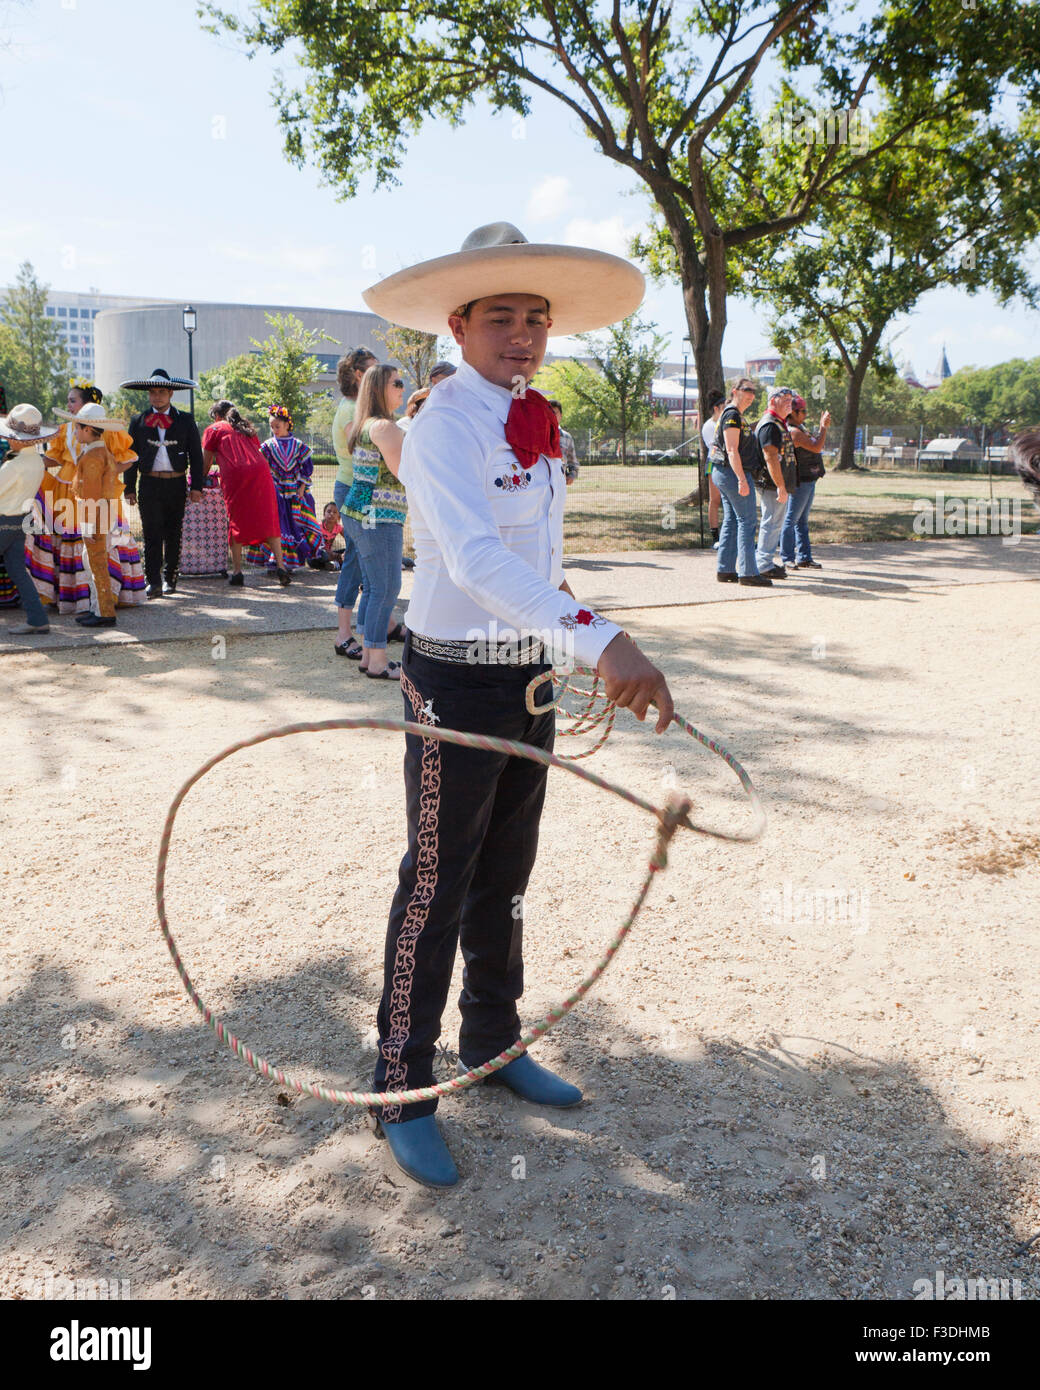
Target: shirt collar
(498,399)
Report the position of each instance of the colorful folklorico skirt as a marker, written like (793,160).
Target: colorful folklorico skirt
(302,536)
(55,558)
(8,592)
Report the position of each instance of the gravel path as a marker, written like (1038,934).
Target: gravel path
(811,1073)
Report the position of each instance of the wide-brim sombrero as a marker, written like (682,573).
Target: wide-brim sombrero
(586,289)
(25,424)
(96,422)
(159,378)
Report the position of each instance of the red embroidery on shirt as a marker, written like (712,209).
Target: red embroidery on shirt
(513,482)
(583,618)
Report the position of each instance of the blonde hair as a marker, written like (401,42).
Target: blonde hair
(372,403)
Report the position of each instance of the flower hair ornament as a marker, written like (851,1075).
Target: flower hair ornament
(280,412)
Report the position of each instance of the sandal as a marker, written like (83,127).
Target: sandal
(385,675)
(352,649)
(397,633)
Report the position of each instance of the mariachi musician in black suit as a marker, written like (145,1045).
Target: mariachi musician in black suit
(167,445)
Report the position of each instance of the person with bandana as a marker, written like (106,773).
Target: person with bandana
(490,609)
(168,448)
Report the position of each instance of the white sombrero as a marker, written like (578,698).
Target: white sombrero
(586,289)
(93,415)
(160,377)
(25,423)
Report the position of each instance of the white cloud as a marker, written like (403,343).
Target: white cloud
(609,234)
(549,199)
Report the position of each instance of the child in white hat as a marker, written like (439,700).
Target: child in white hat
(20,477)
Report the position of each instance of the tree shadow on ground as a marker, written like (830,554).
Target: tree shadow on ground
(696,1168)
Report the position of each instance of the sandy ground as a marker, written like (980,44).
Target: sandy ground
(788,1095)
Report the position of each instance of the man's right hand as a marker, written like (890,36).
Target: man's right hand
(781,496)
(633,682)
(130,497)
(743,486)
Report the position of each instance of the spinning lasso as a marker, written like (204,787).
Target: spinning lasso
(670,817)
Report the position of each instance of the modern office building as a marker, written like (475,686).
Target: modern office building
(75,315)
(132,340)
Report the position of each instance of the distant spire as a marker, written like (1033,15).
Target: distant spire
(943,369)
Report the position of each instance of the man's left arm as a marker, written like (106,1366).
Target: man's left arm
(194,446)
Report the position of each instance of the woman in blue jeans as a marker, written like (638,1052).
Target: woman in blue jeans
(733,458)
(374,511)
(794,538)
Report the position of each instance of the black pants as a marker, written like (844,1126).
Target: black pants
(472,838)
(162,504)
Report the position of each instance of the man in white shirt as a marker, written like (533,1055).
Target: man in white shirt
(20,476)
(485,484)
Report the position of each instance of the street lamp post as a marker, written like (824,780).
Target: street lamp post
(189,319)
(685,357)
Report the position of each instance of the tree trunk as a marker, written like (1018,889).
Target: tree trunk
(703,278)
(847,449)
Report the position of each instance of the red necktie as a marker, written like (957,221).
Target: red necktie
(162,421)
(532,428)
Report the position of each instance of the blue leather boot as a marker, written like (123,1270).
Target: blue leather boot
(420,1152)
(534,1083)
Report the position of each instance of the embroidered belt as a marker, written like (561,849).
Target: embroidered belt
(479,652)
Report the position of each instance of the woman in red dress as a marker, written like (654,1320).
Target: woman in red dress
(245,480)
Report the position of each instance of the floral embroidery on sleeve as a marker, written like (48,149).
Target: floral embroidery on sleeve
(583,618)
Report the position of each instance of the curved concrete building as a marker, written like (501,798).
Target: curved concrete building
(131,342)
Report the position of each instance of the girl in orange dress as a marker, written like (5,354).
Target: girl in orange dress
(54,554)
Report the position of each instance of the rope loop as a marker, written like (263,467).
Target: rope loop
(670,817)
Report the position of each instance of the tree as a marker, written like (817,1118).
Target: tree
(665,92)
(323,408)
(34,364)
(618,394)
(555,382)
(236,380)
(1002,399)
(286,365)
(416,352)
(959,208)
(121,404)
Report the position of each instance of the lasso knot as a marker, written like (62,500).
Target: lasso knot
(670,817)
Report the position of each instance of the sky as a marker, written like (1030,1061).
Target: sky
(155,160)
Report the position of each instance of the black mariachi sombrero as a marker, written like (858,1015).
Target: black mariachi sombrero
(159,378)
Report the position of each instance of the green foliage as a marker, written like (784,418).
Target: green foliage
(1004,397)
(414,351)
(34,365)
(285,366)
(323,408)
(672,94)
(122,404)
(557,381)
(959,208)
(236,380)
(616,398)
